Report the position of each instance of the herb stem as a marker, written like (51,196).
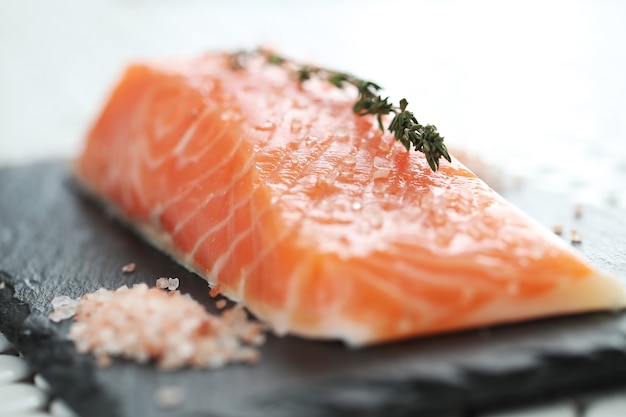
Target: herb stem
(404,125)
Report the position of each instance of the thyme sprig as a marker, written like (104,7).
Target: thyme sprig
(404,125)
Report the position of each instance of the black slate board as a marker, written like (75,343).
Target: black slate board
(53,242)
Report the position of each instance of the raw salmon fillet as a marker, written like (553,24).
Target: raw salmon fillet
(321,225)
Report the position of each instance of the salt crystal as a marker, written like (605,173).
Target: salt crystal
(578,211)
(327,178)
(172,284)
(298,103)
(380,188)
(216,361)
(128,268)
(104,361)
(342,134)
(349,160)
(248,355)
(145,323)
(268,125)
(381,173)
(169,397)
(62,301)
(439,217)
(229,115)
(381,162)
(326,205)
(64,307)
(296,126)
(60,315)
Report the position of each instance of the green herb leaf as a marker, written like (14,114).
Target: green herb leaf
(404,125)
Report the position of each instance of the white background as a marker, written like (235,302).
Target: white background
(537,87)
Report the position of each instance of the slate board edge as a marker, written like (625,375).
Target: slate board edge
(476,391)
(50,355)
(570,374)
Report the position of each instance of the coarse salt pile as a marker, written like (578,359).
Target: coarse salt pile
(142,324)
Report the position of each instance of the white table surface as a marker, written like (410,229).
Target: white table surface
(537,88)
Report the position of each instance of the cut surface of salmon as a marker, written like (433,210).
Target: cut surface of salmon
(318,222)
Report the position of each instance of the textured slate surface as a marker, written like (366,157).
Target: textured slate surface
(54,242)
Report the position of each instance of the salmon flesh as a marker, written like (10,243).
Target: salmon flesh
(323,226)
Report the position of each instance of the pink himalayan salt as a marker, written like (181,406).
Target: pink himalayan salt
(142,324)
